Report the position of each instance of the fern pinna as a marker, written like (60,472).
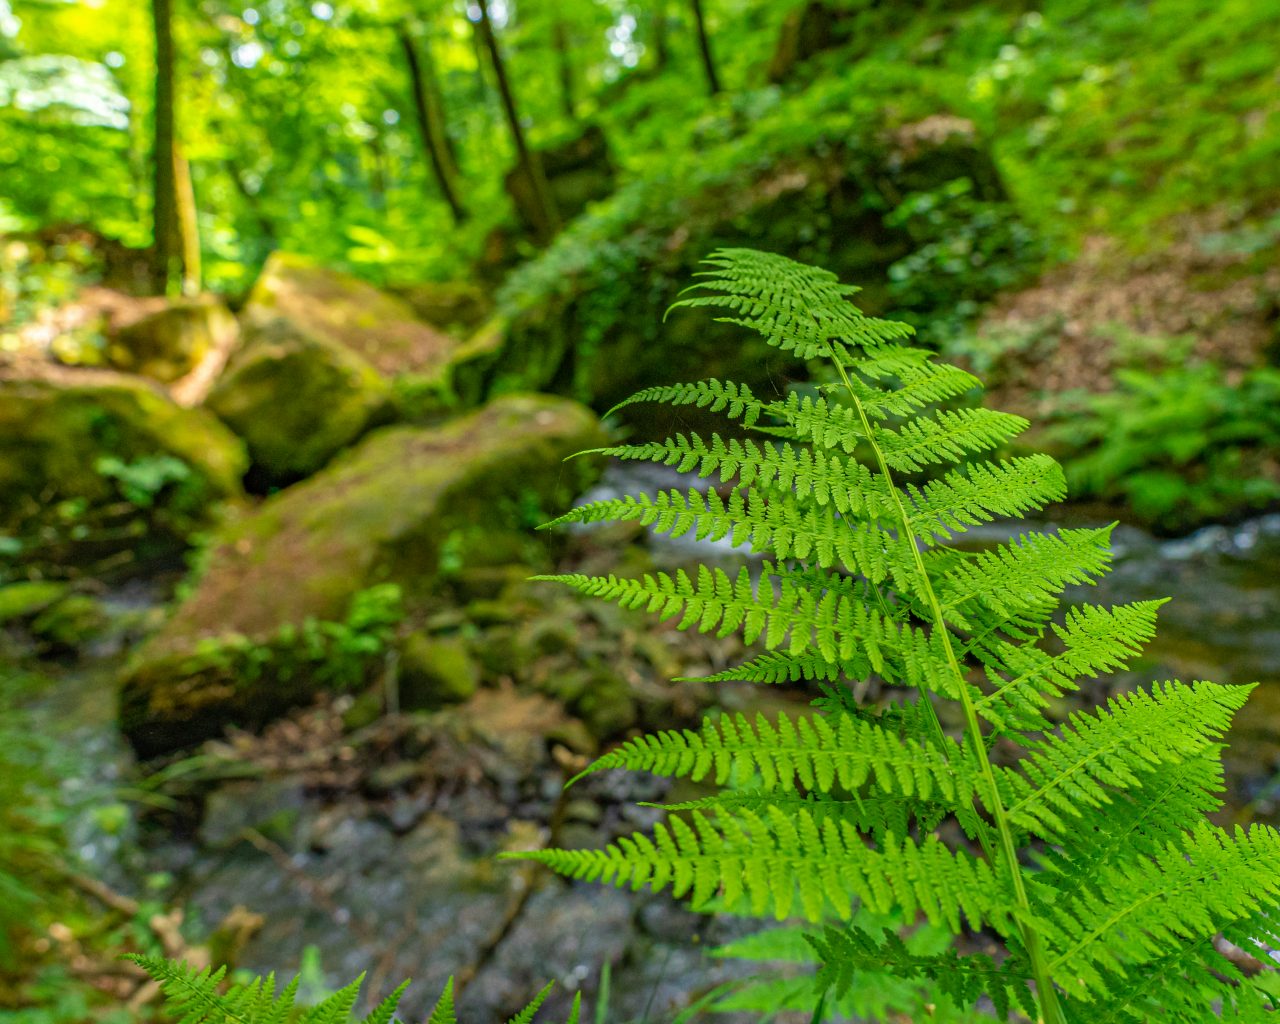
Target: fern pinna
(195,996)
(1088,855)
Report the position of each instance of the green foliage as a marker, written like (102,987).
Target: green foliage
(29,837)
(1087,852)
(141,481)
(966,247)
(334,654)
(200,997)
(1177,447)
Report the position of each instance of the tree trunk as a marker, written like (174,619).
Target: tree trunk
(188,225)
(164,195)
(704,47)
(431,121)
(565,60)
(548,216)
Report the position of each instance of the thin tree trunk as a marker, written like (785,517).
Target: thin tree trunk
(431,121)
(187,222)
(529,160)
(164,197)
(704,47)
(565,60)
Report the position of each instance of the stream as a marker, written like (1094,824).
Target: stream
(369,862)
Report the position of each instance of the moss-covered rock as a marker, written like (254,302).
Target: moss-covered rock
(70,624)
(96,463)
(435,671)
(585,318)
(408,505)
(331,306)
(297,400)
(458,307)
(170,343)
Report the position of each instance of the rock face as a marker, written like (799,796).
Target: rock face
(297,400)
(334,307)
(401,507)
(170,343)
(95,463)
(578,171)
(326,357)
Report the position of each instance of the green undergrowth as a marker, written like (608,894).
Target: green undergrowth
(1178,448)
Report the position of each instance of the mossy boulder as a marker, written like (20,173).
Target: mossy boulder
(435,671)
(168,344)
(97,464)
(586,317)
(297,400)
(458,307)
(331,306)
(408,505)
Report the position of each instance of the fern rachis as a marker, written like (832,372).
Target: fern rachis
(1091,858)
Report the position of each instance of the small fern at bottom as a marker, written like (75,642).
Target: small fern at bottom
(201,997)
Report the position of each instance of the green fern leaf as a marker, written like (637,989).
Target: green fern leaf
(442,1012)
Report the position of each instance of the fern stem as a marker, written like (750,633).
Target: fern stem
(1046,994)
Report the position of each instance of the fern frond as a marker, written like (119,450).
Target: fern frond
(845,953)
(778,863)
(1023,573)
(774,667)
(1139,908)
(795,308)
(385,1011)
(1139,820)
(840,628)
(921,382)
(525,1016)
(949,436)
(780,523)
(1096,869)
(828,479)
(981,491)
(443,1012)
(1067,773)
(1094,640)
(336,1009)
(734,400)
(876,814)
(817,752)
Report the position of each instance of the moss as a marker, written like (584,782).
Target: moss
(342,310)
(297,401)
(379,513)
(57,434)
(23,600)
(435,671)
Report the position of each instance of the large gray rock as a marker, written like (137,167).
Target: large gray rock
(404,506)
